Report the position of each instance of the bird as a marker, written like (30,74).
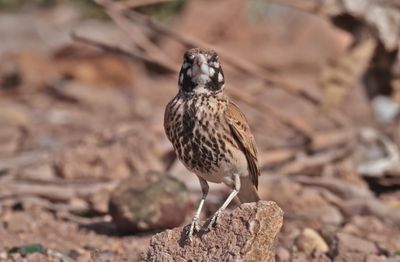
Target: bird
(210,134)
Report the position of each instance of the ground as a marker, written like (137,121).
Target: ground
(78,119)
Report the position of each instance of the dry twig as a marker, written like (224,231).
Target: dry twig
(129,54)
(61,193)
(23,160)
(303,162)
(342,189)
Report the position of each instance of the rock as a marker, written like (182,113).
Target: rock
(347,242)
(384,235)
(310,241)
(246,234)
(282,254)
(351,248)
(148,202)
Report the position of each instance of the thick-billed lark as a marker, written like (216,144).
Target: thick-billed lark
(209,133)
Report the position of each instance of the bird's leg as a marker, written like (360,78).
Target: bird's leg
(232,195)
(195,221)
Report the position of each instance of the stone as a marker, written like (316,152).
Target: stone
(310,241)
(347,242)
(248,233)
(153,201)
(384,235)
(282,255)
(348,247)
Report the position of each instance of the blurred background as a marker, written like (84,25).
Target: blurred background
(86,172)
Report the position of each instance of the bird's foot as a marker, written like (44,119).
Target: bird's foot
(194,227)
(214,219)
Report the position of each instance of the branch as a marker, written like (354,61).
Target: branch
(128,54)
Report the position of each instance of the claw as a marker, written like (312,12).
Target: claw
(213,220)
(194,227)
(197,227)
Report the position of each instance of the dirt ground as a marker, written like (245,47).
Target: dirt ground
(321,93)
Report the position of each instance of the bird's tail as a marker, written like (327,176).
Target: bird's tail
(248,192)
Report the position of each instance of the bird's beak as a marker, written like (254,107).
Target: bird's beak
(200,66)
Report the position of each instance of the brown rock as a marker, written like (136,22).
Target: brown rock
(351,248)
(347,242)
(148,202)
(246,234)
(384,235)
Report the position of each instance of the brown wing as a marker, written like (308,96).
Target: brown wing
(242,134)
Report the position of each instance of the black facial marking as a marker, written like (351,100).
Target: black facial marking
(214,84)
(187,84)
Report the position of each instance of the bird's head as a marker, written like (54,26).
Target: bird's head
(201,72)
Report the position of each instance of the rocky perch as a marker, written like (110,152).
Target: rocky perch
(246,234)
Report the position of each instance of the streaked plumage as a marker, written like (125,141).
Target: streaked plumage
(209,133)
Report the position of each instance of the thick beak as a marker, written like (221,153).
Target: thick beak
(200,66)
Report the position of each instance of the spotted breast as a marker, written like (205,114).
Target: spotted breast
(199,132)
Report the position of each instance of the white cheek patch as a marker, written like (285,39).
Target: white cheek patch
(189,72)
(220,77)
(212,71)
(215,64)
(185,65)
